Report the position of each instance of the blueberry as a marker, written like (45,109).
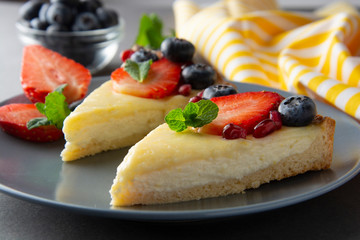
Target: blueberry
(42,12)
(86,21)
(177,50)
(59,13)
(89,5)
(71,3)
(143,55)
(57,28)
(297,111)
(199,75)
(218,91)
(36,23)
(67,15)
(30,9)
(107,17)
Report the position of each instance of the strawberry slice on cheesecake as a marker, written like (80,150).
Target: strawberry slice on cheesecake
(162,79)
(243,109)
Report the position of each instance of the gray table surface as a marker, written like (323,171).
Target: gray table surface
(335,215)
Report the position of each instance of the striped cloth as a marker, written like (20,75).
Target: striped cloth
(252,41)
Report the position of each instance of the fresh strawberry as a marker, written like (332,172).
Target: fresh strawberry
(244,109)
(44,70)
(13,119)
(161,81)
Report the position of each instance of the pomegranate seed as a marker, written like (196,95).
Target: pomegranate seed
(126,54)
(264,128)
(276,117)
(233,131)
(195,99)
(185,89)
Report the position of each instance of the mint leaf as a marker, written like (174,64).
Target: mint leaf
(190,111)
(137,71)
(150,31)
(176,121)
(41,107)
(194,115)
(207,112)
(37,122)
(55,109)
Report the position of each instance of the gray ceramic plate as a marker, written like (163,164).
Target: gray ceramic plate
(35,172)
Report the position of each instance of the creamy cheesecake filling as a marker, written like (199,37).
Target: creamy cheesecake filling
(191,159)
(115,127)
(108,120)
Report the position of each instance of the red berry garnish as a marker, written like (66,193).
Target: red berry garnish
(195,99)
(264,128)
(185,89)
(276,117)
(244,109)
(126,54)
(233,131)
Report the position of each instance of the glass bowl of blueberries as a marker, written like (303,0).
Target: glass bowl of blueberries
(83,30)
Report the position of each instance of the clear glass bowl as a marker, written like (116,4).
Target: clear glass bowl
(94,49)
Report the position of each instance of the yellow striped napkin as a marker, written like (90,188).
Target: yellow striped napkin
(253,41)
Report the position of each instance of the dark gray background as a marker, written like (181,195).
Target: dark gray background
(335,215)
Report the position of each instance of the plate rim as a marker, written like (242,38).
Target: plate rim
(184,215)
(191,215)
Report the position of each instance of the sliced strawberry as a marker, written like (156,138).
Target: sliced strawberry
(161,81)
(44,70)
(244,109)
(13,119)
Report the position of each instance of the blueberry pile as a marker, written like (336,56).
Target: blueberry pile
(67,15)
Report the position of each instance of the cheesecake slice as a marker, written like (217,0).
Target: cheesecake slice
(140,93)
(109,120)
(168,166)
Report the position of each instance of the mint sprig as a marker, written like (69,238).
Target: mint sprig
(150,33)
(194,115)
(55,109)
(37,122)
(137,70)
